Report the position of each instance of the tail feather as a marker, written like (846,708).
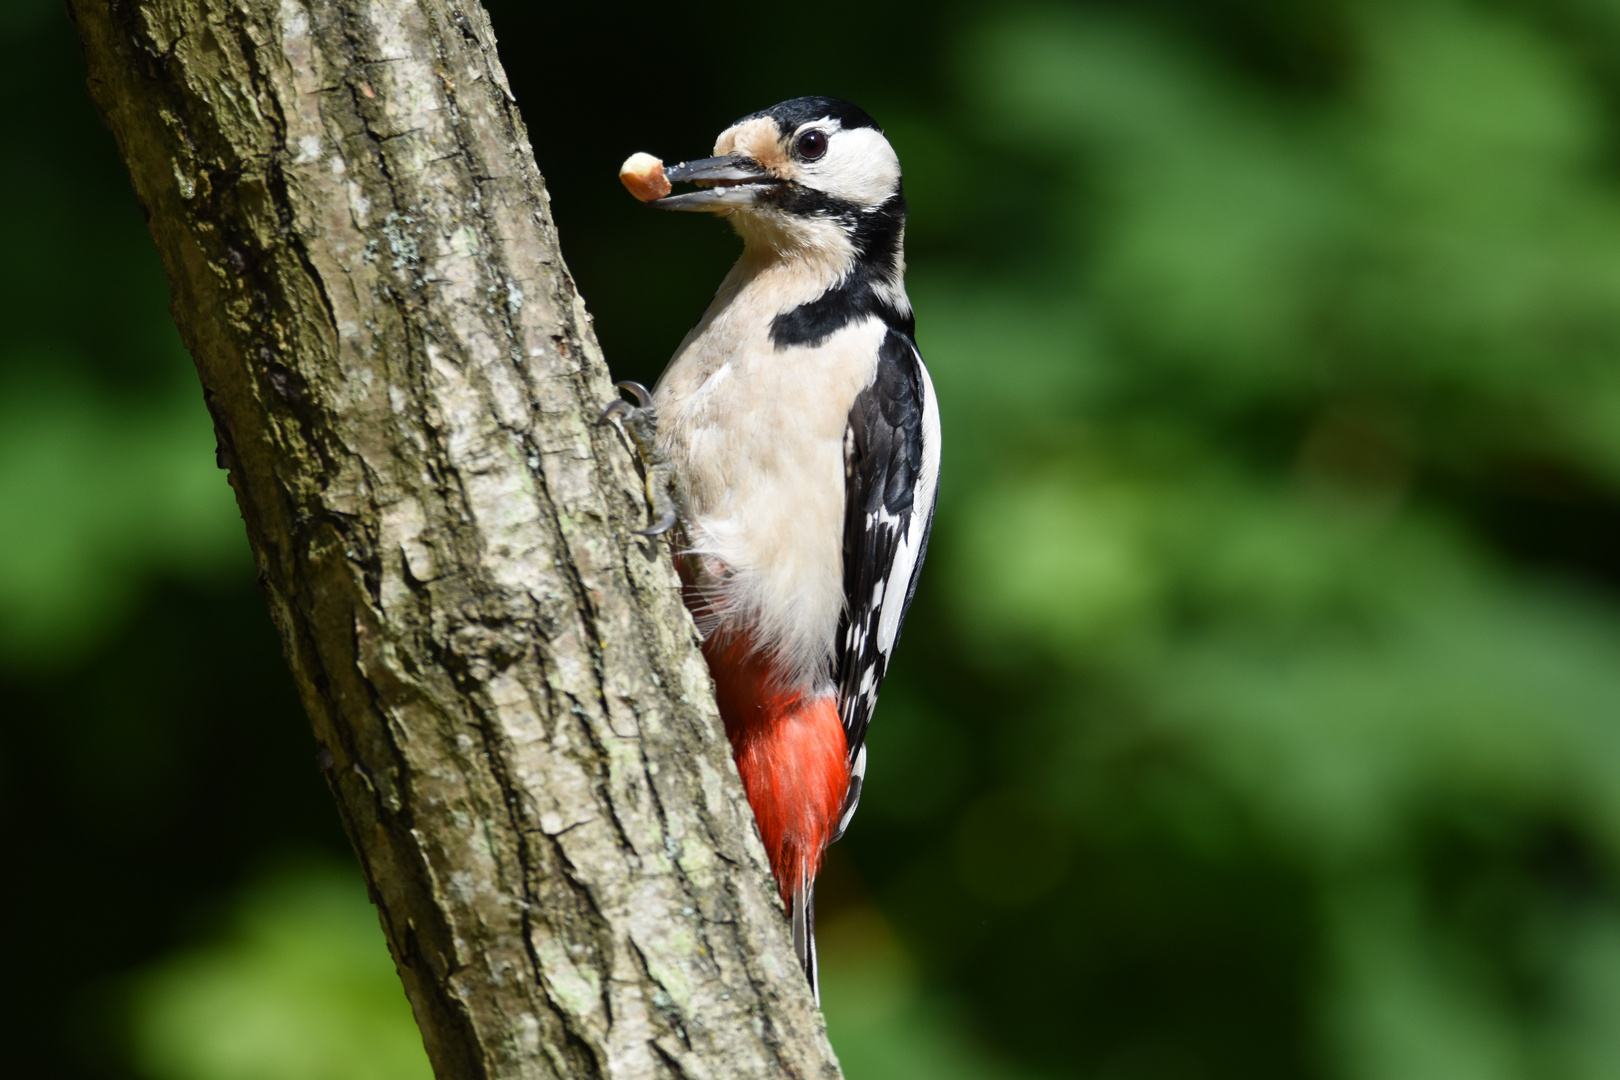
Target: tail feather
(792,755)
(802,911)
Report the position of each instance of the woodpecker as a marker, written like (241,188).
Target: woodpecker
(794,439)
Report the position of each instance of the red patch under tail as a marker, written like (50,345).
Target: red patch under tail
(791,752)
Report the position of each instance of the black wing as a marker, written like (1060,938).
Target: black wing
(891,466)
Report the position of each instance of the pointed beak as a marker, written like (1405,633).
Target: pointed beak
(726,182)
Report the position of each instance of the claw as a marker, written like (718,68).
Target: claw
(661,526)
(643,398)
(664,496)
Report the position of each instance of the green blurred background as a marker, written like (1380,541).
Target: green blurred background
(1259,714)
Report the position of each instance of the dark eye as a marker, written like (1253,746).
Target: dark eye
(812,144)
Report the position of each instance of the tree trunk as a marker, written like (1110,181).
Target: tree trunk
(511,708)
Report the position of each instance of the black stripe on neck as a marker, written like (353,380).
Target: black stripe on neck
(876,235)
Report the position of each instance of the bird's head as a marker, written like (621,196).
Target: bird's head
(812,173)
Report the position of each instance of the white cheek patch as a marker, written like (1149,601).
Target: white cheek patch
(860,166)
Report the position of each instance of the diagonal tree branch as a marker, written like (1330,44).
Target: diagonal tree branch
(512,712)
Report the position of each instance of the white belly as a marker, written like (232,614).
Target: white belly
(757,436)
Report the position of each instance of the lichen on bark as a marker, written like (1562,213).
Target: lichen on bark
(511,709)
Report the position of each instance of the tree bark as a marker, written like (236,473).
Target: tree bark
(511,708)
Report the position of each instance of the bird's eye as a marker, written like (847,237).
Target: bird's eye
(812,144)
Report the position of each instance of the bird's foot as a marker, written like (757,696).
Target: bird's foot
(665,498)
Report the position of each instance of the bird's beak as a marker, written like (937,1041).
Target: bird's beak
(727,183)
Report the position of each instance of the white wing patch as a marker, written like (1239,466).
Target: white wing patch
(905,557)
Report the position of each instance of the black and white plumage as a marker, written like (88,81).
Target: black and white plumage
(801,425)
(891,474)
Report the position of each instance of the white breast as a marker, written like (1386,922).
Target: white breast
(757,437)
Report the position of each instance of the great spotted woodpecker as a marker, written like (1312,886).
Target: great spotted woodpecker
(795,439)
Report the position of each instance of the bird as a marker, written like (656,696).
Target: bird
(792,444)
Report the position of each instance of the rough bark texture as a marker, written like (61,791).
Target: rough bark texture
(512,712)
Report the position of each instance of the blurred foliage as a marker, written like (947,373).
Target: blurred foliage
(1262,562)
(115,489)
(299,988)
(1259,715)
(105,448)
